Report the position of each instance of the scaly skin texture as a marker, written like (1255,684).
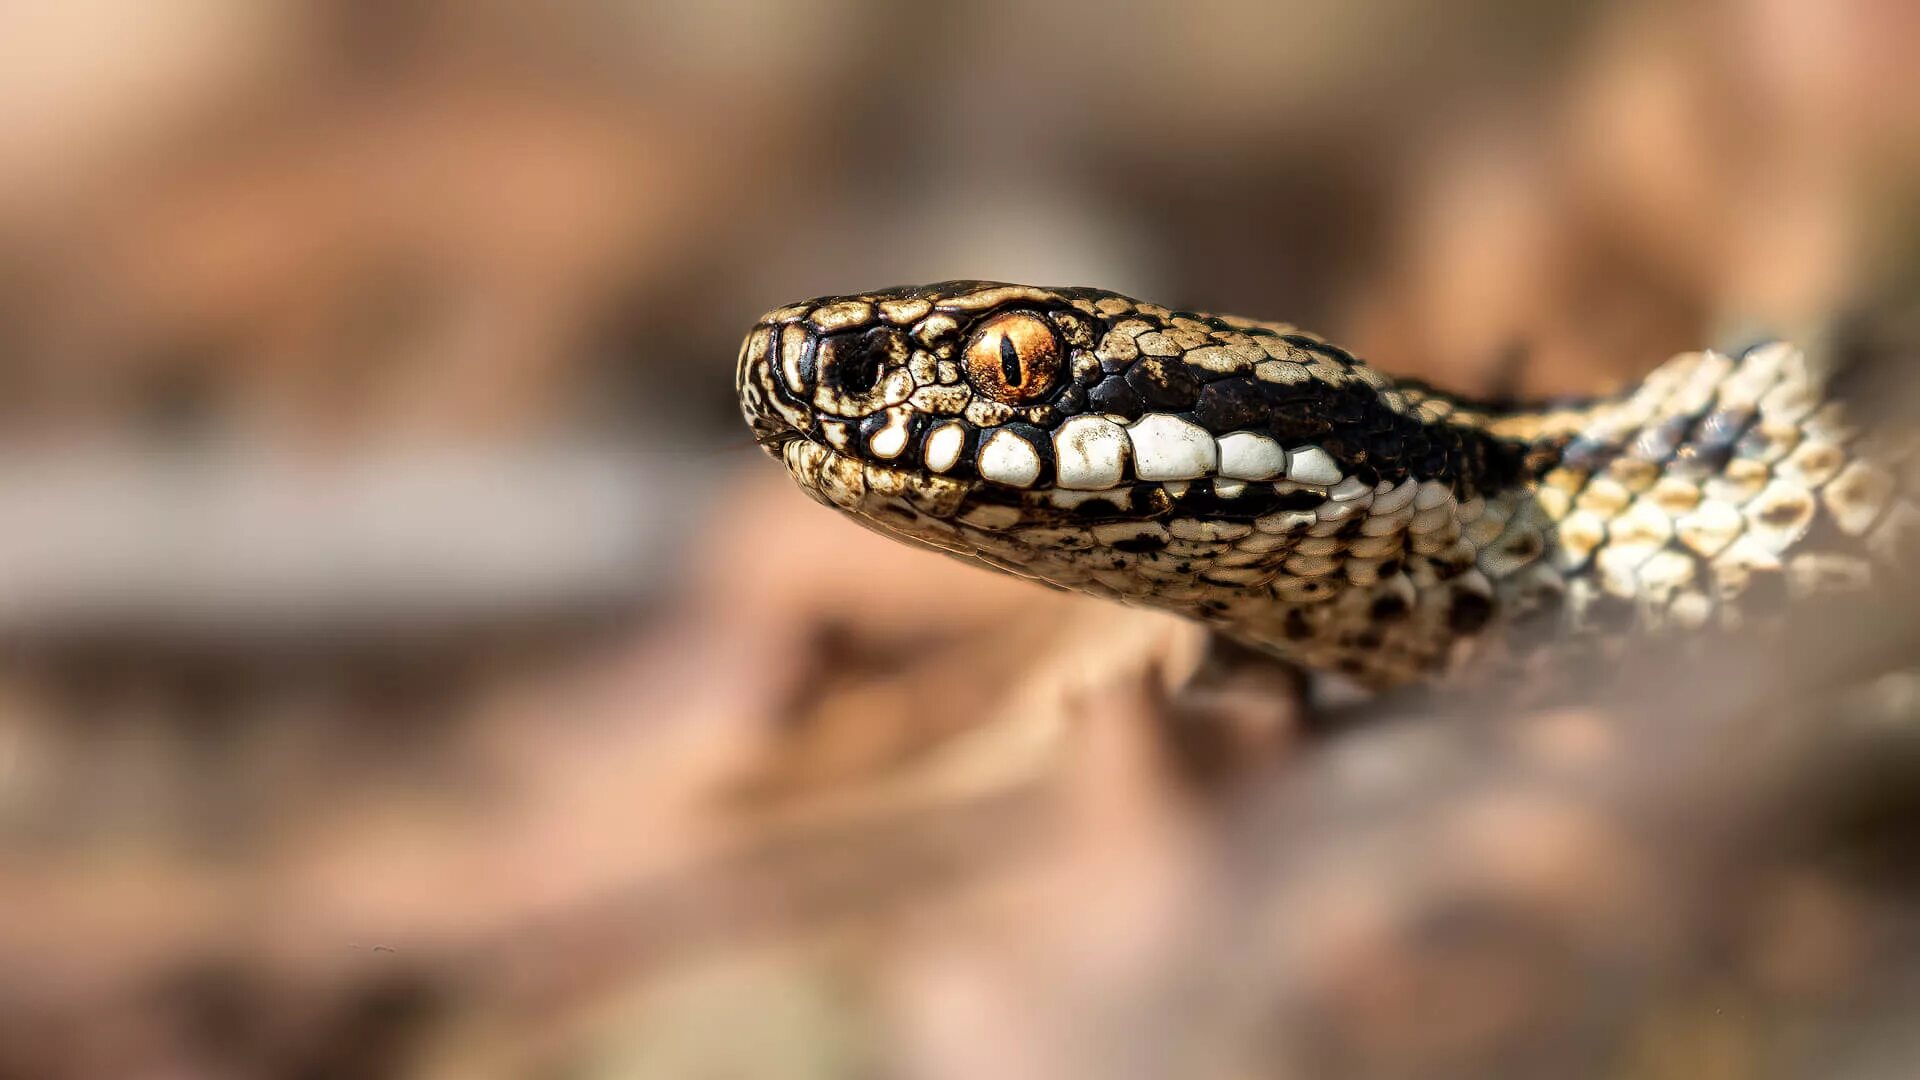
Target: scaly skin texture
(1254,477)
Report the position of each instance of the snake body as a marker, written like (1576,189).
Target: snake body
(1257,478)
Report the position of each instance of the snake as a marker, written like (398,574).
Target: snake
(1291,496)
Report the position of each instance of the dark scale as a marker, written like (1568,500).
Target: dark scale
(1659,443)
(1348,451)
(1583,454)
(1050,416)
(1469,612)
(1230,404)
(1256,501)
(1294,420)
(1167,385)
(1114,395)
(1094,510)
(1390,607)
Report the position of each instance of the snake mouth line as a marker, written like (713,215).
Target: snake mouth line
(876,492)
(814,462)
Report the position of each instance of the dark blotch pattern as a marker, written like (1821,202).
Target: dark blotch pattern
(1114,394)
(851,363)
(1230,405)
(1469,612)
(1390,607)
(1165,385)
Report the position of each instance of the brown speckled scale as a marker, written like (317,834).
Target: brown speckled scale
(1257,478)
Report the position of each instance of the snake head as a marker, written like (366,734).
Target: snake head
(1099,443)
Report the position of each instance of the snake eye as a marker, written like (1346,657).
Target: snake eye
(1014,358)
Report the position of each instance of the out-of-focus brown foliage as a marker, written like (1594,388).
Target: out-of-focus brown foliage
(406,667)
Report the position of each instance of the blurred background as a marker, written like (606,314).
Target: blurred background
(408,667)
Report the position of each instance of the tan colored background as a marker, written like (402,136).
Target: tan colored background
(407,666)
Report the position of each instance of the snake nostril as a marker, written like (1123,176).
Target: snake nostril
(852,363)
(861,370)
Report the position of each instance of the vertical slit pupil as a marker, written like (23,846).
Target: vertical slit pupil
(1010,361)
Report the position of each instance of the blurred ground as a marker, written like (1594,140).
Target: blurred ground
(407,666)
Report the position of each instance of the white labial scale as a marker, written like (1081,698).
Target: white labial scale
(1247,456)
(1090,453)
(1312,465)
(1007,458)
(944,444)
(891,439)
(1169,448)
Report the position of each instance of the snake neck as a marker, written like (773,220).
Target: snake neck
(1713,493)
